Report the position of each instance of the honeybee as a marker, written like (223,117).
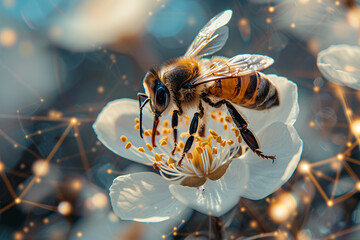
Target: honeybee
(193,81)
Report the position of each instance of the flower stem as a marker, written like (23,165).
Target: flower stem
(217,227)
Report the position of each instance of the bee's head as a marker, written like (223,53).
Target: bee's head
(158,93)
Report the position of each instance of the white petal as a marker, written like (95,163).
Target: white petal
(287,112)
(117,119)
(143,197)
(217,197)
(264,177)
(341,64)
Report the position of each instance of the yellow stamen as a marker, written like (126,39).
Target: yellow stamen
(162,155)
(149,147)
(214,150)
(237,132)
(219,112)
(225,126)
(186,122)
(187,118)
(184,134)
(213,115)
(128,145)
(157,158)
(170,161)
(157,166)
(233,129)
(137,120)
(239,139)
(181,144)
(178,149)
(228,119)
(189,156)
(123,138)
(223,143)
(212,132)
(199,149)
(163,143)
(147,133)
(137,126)
(230,142)
(221,119)
(218,139)
(141,149)
(166,123)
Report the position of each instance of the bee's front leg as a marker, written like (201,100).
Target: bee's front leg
(174,124)
(192,130)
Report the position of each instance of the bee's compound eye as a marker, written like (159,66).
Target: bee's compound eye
(162,97)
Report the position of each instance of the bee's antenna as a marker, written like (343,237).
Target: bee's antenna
(141,106)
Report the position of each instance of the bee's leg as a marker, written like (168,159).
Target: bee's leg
(202,127)
(174,124)
(240,122)
(192,130)
(141,106)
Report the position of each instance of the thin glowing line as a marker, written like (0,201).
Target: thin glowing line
(81,149)
(40,205)
(53,151)
(19,145)
(323,162)
(7,207)
(8,184)
(336,183)
(319,188)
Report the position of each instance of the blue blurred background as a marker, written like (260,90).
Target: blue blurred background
(62,60)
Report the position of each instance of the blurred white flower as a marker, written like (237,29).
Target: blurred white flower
(96,22)
(209,180)
(341,64)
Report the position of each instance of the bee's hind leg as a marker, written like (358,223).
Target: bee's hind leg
(240,122)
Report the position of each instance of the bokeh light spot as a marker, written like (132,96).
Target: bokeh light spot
(8,37)
(64,208)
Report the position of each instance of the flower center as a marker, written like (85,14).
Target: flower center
(208,158)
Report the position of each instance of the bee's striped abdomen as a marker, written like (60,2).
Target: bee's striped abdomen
(253,91)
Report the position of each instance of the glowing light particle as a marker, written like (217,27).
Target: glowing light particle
(292,25)
(18,236)
(99,200)
(357,186)
(17,200)
(74,120)
(79,234)
(64,208)
(2,166)
(340,156)
(100,89)
(271,9)
(41,168)
(312,124)
(355,127)
(330,203)
(304,167)
(279,212)
(8,37)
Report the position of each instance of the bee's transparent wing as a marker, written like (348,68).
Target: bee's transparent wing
(240,65)
(212,36)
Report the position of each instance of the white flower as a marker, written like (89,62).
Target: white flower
(209,182)
(341,64)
